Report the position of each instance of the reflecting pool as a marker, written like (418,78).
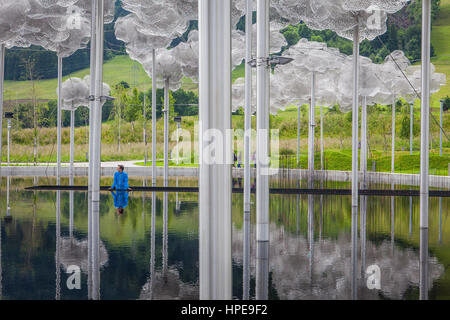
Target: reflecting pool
(153,254)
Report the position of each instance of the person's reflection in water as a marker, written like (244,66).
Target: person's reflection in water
(120,201)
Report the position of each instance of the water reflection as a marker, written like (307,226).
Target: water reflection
(120,201)
(309,256)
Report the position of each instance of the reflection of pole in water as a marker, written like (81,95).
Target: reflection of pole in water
(423,285)
(440,220)
(246,258)
(165,235)
(152,245)
(311,234)
(298,213)
(58,246)
(321,218)
(262,270)
(95,294)
(1,270)
(392,224)
(177,202)
(410,215)
(354,250)
(363,232)
(71,204)
(144,184)
(8,208)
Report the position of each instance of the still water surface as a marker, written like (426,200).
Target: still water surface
(309,255)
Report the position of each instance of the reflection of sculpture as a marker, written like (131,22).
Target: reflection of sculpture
(169,287)
(75,252)
(166,284)
(331,274)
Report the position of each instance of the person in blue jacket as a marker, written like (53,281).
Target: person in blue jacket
(120,180)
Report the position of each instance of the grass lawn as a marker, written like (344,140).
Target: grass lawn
(440,39)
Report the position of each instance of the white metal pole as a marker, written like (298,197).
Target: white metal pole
(2,81)
(364,148)
(95,216)
(298,135)
(154,117)
(98,107)
(411,129)
(355,120)
(393,136)
(424,147)
(9,141)
(145,134)
(262,120)
(441,129)
(58,121)
(178,142)
(166,132)
(91,138)
(215,176)
(247,145)
(312,125)
(72,139)
(321,140)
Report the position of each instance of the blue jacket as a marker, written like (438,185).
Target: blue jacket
(120,181)
(120,199)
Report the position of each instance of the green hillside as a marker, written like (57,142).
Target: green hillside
(440,39)
(120,68)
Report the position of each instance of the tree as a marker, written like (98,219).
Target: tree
(446,103)
(133,108)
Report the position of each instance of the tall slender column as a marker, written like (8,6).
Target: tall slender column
(91,138)
(355,120)
(2,81)
(58,121)
(321,139)
(393,136)
(262,120)
(262,150)
(154,118)
(247,145)
(411,129)
(312,125)
(98,103)
(166,132)
(364,136)
(424,147)
(441,129)
(298,135)
(215,173)
(145,133)
(72,139)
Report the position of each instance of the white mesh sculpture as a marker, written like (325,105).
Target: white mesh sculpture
(75,92)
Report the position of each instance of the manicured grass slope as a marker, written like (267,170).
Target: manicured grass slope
(440,39)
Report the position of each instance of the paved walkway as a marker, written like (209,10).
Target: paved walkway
(107,164)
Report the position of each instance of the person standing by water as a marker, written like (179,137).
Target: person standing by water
(120,185)
(120,180)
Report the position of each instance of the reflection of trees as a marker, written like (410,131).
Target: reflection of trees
(289,260)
